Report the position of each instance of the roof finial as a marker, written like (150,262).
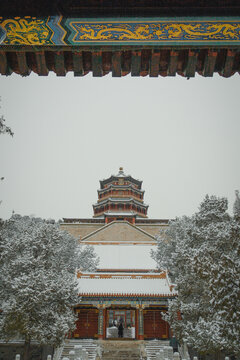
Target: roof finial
(121,173)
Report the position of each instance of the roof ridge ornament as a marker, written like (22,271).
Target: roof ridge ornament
(121,172)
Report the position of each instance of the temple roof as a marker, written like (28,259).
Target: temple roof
(123,200)
(120,174)
(121,187)
(129,256)
(128,284)
(100,219)
(120,213)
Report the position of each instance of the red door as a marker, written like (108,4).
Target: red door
(154,326)
(87,324)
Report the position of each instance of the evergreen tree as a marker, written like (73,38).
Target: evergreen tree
(203,256)
(236,206)
(4,129)
(38,285)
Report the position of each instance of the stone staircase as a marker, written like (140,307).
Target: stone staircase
(119,350)
(88,344)
(122,350)
(152,347)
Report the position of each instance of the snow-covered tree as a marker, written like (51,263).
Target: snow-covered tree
(4,129)
(38,263)
(236,206)
(203,256)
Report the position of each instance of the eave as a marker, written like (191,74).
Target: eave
(115,178)
(123,200)
(120,187)
(121,295)
(120,46)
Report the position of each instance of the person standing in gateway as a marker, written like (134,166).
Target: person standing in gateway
(120,329)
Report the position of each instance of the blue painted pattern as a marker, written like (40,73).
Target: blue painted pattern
(56,30)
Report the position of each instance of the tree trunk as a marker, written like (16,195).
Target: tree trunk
(26,355)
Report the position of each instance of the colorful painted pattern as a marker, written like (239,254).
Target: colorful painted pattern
(56,30)
(152,31)
(134,302)
(27,31)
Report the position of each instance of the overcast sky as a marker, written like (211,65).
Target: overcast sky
(181,137)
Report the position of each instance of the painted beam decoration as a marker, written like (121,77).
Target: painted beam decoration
(60,31)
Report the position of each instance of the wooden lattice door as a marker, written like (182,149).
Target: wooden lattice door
(154,326)
(87,323)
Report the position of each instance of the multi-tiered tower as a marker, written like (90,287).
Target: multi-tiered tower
(126,287)
(120,198)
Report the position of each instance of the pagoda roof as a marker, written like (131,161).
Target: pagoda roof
(101,220)
(121,187)
(123,213)
(151,284)
(120,174)
(120,213)
(104,201)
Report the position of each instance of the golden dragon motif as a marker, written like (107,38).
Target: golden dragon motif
(35,31)
(103,32)
(193,31)
(25,31)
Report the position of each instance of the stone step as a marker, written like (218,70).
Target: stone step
(154,347)
(120,356)
(88,345)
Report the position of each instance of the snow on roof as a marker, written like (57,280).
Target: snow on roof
(121,187)
(121,173)
(119,285)
(125,256)
(120,213)
(125,199)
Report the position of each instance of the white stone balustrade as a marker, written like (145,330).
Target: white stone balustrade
(84,354)
(72,355)
(161,352)
(170,353)
(161,355)
(176,356)
(165,351)
(78,351)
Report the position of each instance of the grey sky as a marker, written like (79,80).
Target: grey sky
(180,137)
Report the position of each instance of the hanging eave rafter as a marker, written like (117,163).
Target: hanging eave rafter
(194,40)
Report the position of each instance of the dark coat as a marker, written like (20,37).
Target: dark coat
(120,330)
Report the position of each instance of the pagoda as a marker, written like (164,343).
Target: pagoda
(120,197)
(126,287)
